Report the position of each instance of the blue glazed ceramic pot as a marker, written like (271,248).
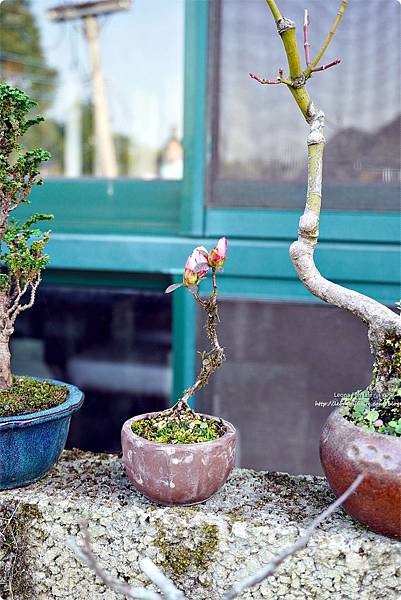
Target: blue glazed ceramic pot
(31,444)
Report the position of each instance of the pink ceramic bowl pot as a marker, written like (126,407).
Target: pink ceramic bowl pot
(177,474)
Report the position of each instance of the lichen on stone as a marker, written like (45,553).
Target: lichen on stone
(17,519)
(179,557)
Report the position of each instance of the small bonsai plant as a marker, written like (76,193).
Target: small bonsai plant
(178,456)
(352,441)
(22,256)
(34,414)
(180,424)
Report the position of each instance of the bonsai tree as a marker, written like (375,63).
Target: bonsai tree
(22,244)
(384,325)
(196,268)
(180,424)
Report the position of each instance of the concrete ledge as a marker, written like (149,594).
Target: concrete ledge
(204,548)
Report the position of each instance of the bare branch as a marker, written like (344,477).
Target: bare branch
(215,358)
(17,308)
(85,554)
(324,67)
(306,38)
(264,81)
(17,295)
(269,569)
(164,584)
(327,41)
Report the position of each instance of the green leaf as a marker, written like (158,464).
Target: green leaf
(372,415)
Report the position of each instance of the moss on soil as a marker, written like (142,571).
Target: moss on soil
(182,426)
(29,396)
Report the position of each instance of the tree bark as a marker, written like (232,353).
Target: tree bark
(5,363)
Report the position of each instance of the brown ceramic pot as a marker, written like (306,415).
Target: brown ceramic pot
(347,450)
(177,473)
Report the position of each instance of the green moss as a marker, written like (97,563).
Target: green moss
(184,428)
(16,522)
(29,396)
(179,558)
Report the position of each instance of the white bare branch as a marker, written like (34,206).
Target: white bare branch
(166,586)
(269,569)
(85,554)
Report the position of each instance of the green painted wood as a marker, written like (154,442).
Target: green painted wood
(282,225)
(253,258)
(184,342)
(95,205)
(195,86)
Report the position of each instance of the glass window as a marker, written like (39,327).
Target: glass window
(109,84)
(259,133)
(113,344)
(285,363)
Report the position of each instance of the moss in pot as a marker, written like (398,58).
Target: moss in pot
(179,456)
(362,439)
(34,413)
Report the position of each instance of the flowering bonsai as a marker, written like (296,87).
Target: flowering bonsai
(178,456)
(180,424)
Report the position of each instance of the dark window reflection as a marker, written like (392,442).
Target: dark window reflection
(113,344)
(283,361)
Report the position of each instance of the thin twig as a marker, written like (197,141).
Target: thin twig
(213,359)
(264,81)
(324,67)
(306,38)
(165,585)
(269,569)
(327,41)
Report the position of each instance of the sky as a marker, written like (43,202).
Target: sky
(142,55)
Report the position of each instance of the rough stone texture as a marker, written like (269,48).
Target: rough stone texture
(203,548)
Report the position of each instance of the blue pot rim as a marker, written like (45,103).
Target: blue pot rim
(73,403)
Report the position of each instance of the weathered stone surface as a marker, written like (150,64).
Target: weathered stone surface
(204,548)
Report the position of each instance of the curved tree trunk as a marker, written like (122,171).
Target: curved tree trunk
(384,325)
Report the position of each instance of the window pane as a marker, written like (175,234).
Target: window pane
(110,86)
(283,359)
(113,344)
(261,134)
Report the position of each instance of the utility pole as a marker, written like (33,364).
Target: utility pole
(88,12)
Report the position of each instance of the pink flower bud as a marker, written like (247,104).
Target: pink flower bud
(196,266)
(218,255)
(378,423)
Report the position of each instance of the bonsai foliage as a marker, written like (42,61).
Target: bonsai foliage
(196,268)
(384,325)
(22,254)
